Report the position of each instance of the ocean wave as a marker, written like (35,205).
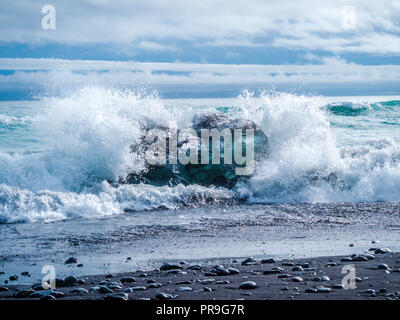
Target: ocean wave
(21,205)
(359,108)
(348,108)
(7,120)
(92,130)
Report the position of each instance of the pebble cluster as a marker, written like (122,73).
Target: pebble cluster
(319,278)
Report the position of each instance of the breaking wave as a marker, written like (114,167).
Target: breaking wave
(89,134)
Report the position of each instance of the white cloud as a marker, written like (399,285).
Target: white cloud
(304,24)
(63,72)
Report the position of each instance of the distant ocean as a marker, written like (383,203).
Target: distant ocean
(60,156)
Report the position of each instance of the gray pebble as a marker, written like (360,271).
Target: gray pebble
(346,259)
(175,271)
(297,279)
(164,296)
(331,264)
(137,288)
(104,289)
(207,281)
(221,271)
(23,293)
(266,272)
(128,280)
(263,261)
(184,289)
(79,291)
(297,268)
(195,267)
(382,250)
(154,285)
(70,281)
(248,261)
(248,285)
(183,282)
(169,266)
(323,289)
(359,258)
(117,296)
(233,271)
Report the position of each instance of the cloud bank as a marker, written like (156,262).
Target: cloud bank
(160,25)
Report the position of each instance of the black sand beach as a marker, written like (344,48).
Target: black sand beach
(377,277)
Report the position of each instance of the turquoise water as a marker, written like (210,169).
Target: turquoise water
(60,156)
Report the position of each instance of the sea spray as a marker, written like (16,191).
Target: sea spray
(81,145)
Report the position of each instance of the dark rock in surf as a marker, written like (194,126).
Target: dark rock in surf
(71,260)
(222,174)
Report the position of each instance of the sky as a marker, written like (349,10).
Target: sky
(208,47)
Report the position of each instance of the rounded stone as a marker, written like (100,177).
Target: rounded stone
(297,279)
(70,281)
(323,289)
(248,285)
(164,296)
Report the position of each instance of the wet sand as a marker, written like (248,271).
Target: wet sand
(377,276)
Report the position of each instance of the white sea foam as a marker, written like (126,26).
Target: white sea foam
(89,134)
(306,164)
(10,120)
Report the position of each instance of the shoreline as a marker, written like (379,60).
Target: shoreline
(376,276)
